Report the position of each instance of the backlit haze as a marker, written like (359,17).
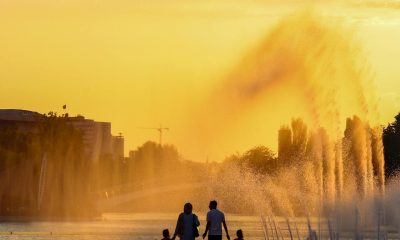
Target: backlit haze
(145,63)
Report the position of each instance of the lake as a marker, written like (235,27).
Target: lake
(115,226)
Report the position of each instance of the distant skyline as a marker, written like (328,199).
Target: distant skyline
(145,63)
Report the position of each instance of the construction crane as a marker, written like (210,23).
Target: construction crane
(160,130)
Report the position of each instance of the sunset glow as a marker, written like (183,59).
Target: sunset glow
(145,63)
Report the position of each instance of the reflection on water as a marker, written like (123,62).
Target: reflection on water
(119,226)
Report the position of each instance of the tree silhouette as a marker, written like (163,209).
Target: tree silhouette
(152,162)
(259,159)
(391,143)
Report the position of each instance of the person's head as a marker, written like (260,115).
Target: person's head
(187,208)
(213,204)
(165,233)
(239,234)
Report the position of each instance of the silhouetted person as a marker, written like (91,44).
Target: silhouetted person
(186,226)
(166,235)
(214,220)
(312,235)
(239,235)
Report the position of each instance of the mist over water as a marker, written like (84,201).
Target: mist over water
(330,159)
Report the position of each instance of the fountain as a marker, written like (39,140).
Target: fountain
(328,180)
(330,159)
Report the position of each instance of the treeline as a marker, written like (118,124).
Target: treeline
(153,165)
(292,146)
(145,166)
(150,167)
(43,172)
(259,159)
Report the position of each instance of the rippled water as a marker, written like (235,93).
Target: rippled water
(119,226)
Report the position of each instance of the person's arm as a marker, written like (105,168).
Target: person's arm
(206,231)
(178,225)
(226,229)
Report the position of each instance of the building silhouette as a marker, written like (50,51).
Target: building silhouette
(97,137)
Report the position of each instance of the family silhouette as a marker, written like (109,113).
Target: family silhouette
(187,225)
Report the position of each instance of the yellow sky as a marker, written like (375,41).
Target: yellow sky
(142,63)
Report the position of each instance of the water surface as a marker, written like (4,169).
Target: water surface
(121,226)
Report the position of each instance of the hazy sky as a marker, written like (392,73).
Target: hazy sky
(145,63)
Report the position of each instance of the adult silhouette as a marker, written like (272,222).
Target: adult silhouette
(186,226)
(214,220)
